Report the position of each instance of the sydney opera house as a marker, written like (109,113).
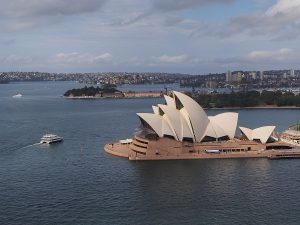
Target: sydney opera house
(181,129)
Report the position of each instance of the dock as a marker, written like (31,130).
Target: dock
(285,155)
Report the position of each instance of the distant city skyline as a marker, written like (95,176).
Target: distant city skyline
(191,36)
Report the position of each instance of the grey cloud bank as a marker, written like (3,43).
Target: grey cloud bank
(18,14)
(169,5)
(191,36)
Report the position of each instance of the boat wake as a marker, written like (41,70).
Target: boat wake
(27,146)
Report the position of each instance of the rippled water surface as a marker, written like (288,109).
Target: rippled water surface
(77,183)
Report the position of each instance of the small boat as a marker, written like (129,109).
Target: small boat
(17,95)
(50,139)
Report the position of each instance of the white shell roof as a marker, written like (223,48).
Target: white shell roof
(176,121)
(190,121)
(170,101)
(196,115)
(261,133)
(155,110)
(214,130)
(153,120)
(172,115)
(224,124)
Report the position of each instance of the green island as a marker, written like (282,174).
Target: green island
(248,99)
(92,91)
(108,91)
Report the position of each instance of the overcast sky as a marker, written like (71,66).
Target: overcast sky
(186,36)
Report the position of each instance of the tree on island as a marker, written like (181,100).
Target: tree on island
(92,91)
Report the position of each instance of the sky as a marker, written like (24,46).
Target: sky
(176,36)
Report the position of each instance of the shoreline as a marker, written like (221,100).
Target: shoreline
(124,151)
(97,98)
(145,97)
(259,107)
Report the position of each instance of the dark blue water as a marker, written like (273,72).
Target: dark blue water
(77,183)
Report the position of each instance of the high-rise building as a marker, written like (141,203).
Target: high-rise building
(236,77)
(253,75)
(228,76)
(261,75)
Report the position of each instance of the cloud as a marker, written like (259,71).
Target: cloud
(61,62)
(176,59)
(13,62)
(281,55)
(76,58)
(15,59)
(87,62)
(32,8)
(19,14)
(161,7)
(172,21)
(273,59)
(173,5)
(280,22)
(282,7)
(8,42)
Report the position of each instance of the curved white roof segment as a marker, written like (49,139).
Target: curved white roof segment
(264,133)
(261,133)
(197,117)
(173,117)
(247,132)
(227,122)
(160,126)
(154,121)
(187,121)
(186,132)
(170,101)
(155,110)
(167,129)
(176,121)
(214,130)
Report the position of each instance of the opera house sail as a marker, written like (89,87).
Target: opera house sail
(181,129)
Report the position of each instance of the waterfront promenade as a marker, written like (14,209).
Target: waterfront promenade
(123,150)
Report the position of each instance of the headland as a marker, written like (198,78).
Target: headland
(180,129)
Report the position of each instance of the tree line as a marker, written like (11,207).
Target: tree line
(248,99)
(91,91)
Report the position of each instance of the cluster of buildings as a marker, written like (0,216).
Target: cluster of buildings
(238,76)
(180,129)
(246,79)
(134,78)
(243,80)
(35,76)
(117,78)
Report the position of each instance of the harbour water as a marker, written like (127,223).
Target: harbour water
(77,183)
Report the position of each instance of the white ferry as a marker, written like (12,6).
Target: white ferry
(292,135)
(17,95)
(50,139)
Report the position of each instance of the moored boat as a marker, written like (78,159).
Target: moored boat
(292,135)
